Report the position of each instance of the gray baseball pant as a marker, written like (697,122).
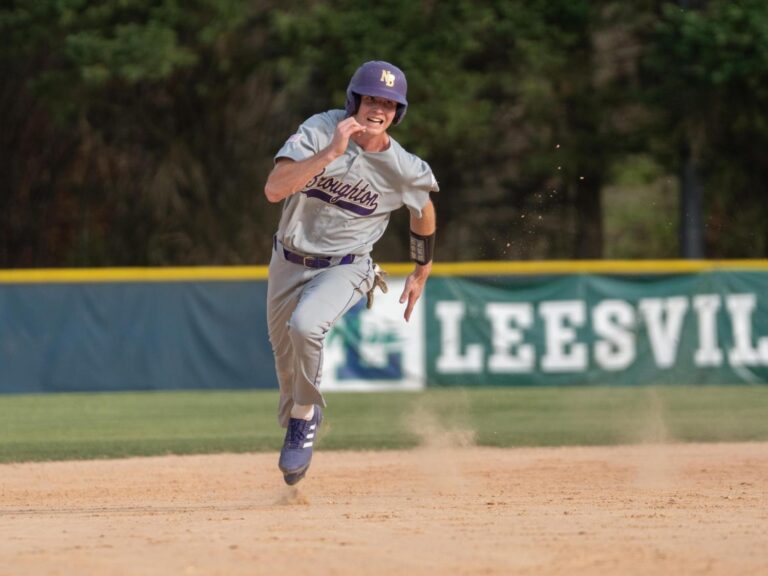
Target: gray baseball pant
(302,305)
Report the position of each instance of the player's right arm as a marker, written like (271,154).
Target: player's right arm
(289,176)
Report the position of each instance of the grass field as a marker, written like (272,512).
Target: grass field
(114,425)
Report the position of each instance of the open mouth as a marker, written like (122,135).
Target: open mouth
(378,121)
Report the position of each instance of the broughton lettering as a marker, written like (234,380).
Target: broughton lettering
(357,197)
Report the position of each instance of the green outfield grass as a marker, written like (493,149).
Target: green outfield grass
(113,425)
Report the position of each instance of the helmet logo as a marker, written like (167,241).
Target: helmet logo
(388,78)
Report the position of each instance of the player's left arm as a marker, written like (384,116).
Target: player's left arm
(422,243)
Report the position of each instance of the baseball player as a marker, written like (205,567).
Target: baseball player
(340,176)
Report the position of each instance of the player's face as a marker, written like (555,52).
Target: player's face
(376,114)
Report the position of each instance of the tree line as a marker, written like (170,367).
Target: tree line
(140,132)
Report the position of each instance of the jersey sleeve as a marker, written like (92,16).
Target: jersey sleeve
(311,137)
(422,182)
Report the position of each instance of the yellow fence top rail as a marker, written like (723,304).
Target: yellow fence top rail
(488,268)
(595,267)
(104,275)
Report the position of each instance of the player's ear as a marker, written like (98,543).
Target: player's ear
(352,104)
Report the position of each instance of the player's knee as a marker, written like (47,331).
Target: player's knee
(302,328)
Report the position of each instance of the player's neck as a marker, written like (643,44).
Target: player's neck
(372,143)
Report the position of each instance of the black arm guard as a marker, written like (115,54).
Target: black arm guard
(422,247)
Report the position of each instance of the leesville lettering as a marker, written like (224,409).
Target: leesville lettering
(359,192)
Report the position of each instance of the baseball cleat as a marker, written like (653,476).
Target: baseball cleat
(296,454)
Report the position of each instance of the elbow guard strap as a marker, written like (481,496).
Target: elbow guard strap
(422,247)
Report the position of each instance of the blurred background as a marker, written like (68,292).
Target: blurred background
(140,132)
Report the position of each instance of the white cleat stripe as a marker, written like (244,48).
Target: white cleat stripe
(307,444)
(310,435)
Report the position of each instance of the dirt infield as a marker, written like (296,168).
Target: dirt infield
(648,509)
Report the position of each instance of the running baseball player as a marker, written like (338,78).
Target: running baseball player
(340,176)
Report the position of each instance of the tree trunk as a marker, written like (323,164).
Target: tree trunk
(589,219)
(691,223)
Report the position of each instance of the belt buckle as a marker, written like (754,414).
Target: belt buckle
(308,261)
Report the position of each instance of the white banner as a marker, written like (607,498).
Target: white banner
(370,350)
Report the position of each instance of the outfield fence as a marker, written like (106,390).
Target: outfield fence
(478,323)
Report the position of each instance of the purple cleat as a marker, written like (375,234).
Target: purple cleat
(296,454)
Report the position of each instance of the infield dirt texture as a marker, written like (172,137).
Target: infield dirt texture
(642,509)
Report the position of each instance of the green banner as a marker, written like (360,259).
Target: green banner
(131,335)
(709,327)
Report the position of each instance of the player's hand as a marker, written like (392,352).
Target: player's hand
(344,131)
(414,286)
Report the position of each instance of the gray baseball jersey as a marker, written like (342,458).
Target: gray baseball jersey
(346,208)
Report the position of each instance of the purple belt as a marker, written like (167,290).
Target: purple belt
(314,261)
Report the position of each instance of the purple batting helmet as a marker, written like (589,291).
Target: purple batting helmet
(380,79)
